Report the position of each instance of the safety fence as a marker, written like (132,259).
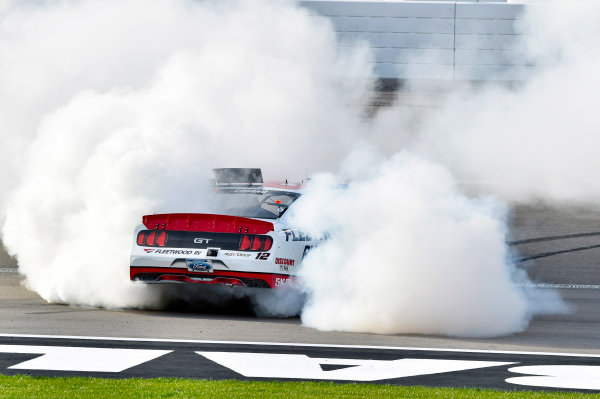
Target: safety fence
(437,40)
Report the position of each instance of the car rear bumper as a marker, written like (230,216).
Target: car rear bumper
(161,275)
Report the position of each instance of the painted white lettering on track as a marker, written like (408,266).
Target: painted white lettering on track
(559,376)
(272,365)
(62,358)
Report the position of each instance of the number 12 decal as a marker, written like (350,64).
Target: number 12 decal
(262,255)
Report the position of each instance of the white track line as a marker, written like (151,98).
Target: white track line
(399,348)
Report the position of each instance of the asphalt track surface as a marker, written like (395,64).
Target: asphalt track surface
(123,358)
(558,248)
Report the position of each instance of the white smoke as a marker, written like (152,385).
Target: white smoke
(535,142)
(130,104)
(117,109)
(408,253)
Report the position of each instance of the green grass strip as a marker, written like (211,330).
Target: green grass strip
(82,387)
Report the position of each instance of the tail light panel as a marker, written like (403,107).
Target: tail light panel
(247,242)
(140,237)
(253,242)
(267,243)
(257,242)
(152,238)
(161,239)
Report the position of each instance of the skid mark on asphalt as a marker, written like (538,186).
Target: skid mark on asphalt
(554,238)
(546,254)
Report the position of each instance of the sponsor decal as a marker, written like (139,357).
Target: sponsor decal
(296,235)
(306,251)
(284,268)
(240,254)
(175,251)
(202,240)
(172,251)
(262,255)
(301,235)
(284,261)
(281,281)
(199,265)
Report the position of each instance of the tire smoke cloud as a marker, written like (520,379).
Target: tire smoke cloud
(419,256)
(107,126)
(102,126)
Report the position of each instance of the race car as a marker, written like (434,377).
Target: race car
(249,244)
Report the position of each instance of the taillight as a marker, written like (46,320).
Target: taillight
(150,238)
(256,243)
(140,238)
(161,239)
(267,244)
(245,243)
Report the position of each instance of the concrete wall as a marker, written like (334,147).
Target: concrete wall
(433,39)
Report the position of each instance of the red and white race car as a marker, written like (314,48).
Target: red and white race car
(249,245)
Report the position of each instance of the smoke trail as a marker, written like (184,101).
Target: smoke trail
(531,143)
(120,123)
(409,254)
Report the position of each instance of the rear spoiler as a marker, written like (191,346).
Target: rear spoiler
(207,223)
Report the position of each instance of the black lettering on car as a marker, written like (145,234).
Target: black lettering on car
(306,251)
